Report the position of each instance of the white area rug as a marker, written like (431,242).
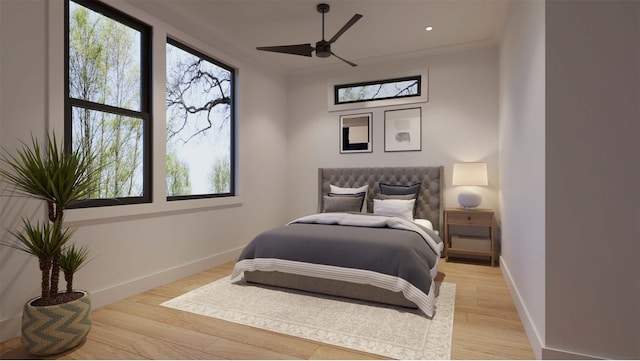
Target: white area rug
(394,332)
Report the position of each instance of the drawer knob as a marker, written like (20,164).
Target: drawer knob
(468,218)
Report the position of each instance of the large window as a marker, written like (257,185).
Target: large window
(200,125)
(378,90)
(107,100)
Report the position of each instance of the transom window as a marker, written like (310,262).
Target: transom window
(107,100)
(200,124)
(378,90)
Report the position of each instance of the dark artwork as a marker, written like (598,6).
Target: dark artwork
(351,146)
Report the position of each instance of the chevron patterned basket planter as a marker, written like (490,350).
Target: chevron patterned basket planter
(54,329)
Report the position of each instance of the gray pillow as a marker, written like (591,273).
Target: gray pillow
(342,202)
(389,189)
(397,191)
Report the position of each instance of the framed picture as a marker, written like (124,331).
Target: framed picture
(355,133)
(403,130)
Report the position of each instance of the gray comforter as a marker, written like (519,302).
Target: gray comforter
(387,252)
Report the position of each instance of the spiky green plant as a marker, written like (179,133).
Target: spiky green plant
(54,175)
(49,173)
(73,258)
(43,241)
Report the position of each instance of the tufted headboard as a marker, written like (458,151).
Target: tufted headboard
(428,205)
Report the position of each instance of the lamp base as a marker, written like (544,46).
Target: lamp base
(469,198)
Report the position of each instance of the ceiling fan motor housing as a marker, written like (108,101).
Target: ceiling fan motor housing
(323,49)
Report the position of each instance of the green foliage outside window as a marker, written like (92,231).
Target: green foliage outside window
(105,96)
(108,109)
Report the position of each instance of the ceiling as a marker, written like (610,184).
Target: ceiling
(389,29)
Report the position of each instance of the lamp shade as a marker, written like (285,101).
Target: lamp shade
(470,174)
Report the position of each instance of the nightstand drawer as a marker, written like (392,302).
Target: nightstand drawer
(470,218)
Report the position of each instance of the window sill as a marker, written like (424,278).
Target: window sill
(110,214)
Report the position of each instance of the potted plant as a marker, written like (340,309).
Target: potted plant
(55,321)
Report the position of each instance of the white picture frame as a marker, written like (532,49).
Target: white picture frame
(356,133)
(403,130)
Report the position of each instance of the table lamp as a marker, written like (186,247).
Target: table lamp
(469,175)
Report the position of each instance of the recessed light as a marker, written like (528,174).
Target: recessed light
(428,28)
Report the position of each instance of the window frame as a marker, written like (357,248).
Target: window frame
(146,96)
(338,87)
(232,126)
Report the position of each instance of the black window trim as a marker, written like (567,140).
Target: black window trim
(337,88)
(145,101)
(232,127)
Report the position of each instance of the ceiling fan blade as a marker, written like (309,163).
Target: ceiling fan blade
(345,60)
(299,49)
(346,27)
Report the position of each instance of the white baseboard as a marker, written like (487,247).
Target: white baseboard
(553,354)
(10,328)
(116,293)
(532,333)
(537,344)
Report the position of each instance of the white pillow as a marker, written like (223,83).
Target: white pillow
(394,207)
(340,190)
(424,223)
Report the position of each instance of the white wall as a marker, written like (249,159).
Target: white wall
(522,163)
(593,178)
(26,88)
(137,248)
(570,128)
(459,123)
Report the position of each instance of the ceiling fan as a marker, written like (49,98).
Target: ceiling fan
(323,47)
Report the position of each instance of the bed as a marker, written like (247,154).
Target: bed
(383,257)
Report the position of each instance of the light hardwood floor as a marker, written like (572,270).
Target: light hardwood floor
(486,326)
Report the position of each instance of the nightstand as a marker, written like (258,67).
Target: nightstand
(474,218)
